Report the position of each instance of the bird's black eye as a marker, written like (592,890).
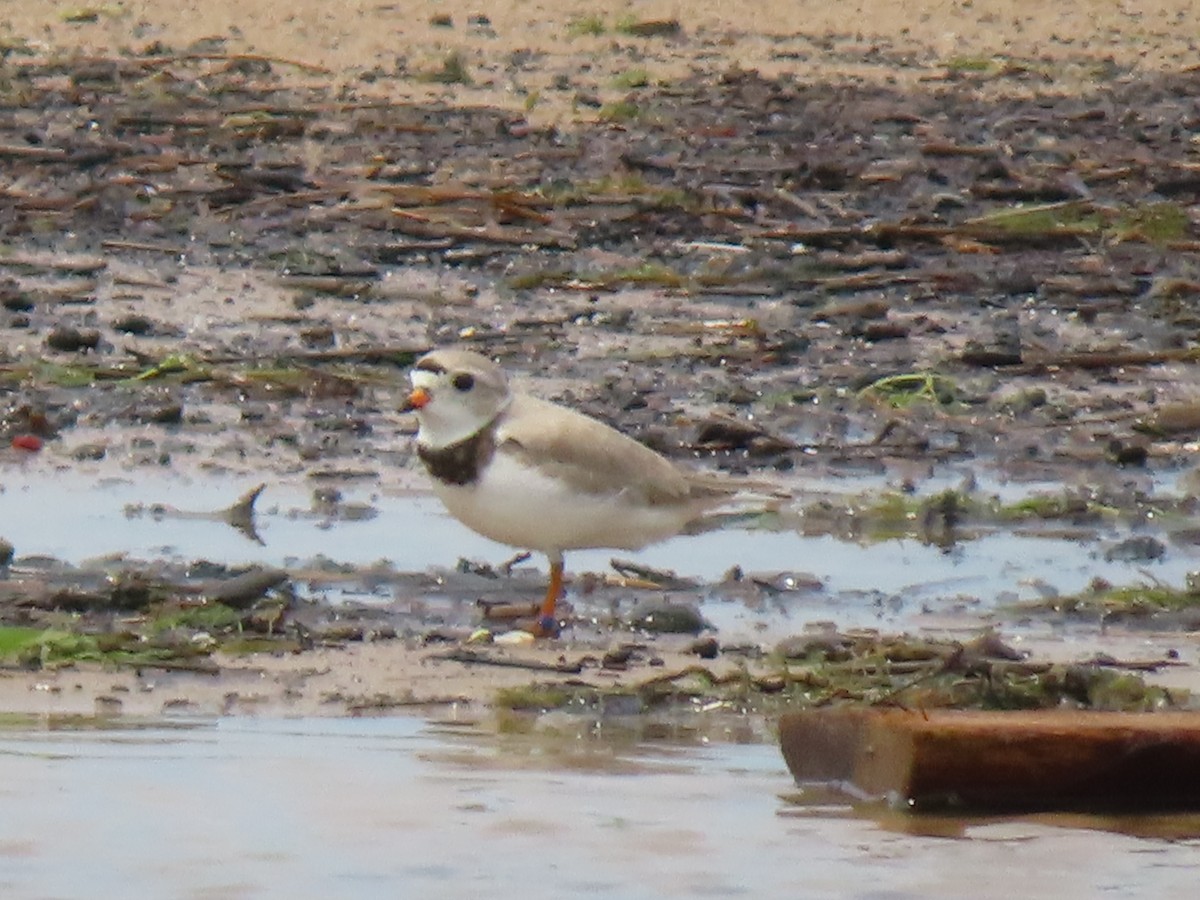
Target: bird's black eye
(463,382)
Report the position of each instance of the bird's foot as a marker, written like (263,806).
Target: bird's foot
(545,627)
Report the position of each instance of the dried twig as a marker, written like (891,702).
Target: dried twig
(475,657)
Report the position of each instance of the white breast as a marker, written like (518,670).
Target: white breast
(517,505)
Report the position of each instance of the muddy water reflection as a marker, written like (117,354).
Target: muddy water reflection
(397,807)
(74,519)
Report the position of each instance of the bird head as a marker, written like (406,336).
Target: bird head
(455,393)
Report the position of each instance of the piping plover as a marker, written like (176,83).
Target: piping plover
(538,476)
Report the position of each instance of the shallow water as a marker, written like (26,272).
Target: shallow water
(74,518)
(388,807)
(239,808)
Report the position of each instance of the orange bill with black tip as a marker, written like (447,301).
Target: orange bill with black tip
(418,398)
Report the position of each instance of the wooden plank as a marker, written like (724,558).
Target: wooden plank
(1044,759)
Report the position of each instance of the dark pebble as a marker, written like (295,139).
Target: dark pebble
(771,684)
(73,339)
(89,452)
(1136,549)
(829,647)
(977,354)
(654,28)
(705,647)
(170,414)
(618,658)
(16,302)
(669,618)
(134,324)
(320,338)
(882,331)
(1121,453)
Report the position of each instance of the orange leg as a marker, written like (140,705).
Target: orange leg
(547,625)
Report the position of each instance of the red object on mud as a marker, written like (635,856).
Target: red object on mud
(30,442)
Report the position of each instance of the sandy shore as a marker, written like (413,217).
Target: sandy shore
(544,58)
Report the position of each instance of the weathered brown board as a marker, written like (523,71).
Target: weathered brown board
(1044,759)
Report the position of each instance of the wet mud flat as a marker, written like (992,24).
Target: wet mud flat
(929,314)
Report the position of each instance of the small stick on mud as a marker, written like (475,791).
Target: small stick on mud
(1108,359)
(142,246)
(70,265)
(950,148)
(243,591)
(507,566)
(296,198)
(700,671)
(382,702)
(1104,661)
(389,353)
(35,154)
(663,578)
(152,61)
(474,657)
(421,226)
(503,611)
(201,666)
